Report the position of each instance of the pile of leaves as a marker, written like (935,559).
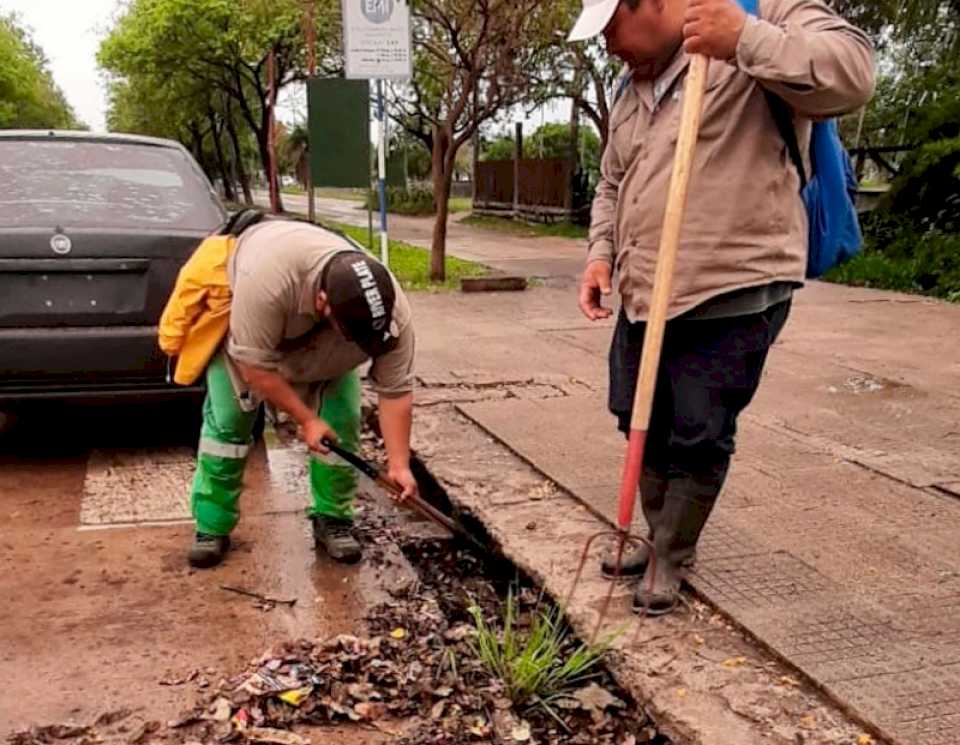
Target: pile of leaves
(415,670)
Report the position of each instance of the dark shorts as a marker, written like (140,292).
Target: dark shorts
(709,373)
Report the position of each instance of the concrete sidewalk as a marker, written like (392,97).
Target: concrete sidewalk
(834,544)
(557,259)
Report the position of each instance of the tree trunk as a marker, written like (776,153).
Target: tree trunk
(216,131)
(196,139)
(261,130)
(442,171)
(264,149)
(238,159)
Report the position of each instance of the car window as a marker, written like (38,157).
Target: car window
(98,184)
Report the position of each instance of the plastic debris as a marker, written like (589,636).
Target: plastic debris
(296,696)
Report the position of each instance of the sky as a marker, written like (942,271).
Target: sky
(70,31)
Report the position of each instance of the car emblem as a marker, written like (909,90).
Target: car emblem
(61,244)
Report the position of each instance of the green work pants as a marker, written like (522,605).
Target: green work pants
(225,442)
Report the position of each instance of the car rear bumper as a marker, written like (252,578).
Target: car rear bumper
(84,363)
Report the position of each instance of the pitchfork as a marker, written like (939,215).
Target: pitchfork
(695,87)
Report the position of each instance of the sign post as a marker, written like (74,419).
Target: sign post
(382,175)
(377,46)
(310,34)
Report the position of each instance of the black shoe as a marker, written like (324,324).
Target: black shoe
(208,550)
(336,538)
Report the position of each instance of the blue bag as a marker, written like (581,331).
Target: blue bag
(829,194)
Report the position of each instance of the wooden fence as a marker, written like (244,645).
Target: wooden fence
(546,189)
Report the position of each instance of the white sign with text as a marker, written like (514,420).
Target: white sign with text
(376,39)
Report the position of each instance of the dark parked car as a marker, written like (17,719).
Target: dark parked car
(93,230)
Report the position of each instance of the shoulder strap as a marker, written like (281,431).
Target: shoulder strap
(247,218)
(240,221)
(784,119)
(781,112)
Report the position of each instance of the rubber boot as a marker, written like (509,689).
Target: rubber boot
(336,538)
(208,550)
(687,508)
(653,487)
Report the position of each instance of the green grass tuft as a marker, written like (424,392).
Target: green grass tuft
(536,664)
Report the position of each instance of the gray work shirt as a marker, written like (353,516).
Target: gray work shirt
(274,324)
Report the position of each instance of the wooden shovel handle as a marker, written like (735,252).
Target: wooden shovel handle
(694,89)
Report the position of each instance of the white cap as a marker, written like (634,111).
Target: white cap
(594,18)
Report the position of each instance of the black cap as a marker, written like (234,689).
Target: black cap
(361,297)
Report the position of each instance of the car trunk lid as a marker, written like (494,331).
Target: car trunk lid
(88,277)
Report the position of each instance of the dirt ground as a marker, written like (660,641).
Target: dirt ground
(99,619)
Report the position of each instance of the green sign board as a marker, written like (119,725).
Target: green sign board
(339,124)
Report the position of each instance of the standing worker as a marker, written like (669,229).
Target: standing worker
(306,309)
(744,240)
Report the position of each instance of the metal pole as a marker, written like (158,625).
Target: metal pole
(382,182)
(311,39)
(369,212)
(517,155)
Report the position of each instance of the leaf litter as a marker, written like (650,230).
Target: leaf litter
(414,670)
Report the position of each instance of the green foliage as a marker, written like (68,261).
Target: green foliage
(415,200)
(551,140)
(184,68)
(29,99)
(899,256)
(928,188)
(534,663)
(913,238)
(500,148)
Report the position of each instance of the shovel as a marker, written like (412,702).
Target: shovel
(415,502)
(694,89)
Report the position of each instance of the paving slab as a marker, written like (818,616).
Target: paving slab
(698,676)
(834,543)
(813,554)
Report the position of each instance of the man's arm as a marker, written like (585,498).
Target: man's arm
(393,379)
(801,50)
(603,212)
(274,389)
(396,423)
(600,256)
(809,56)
